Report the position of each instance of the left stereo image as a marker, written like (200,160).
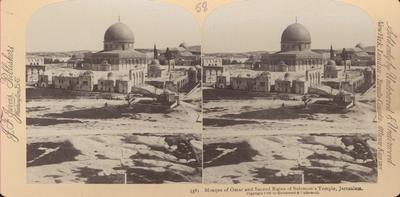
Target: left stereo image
(113,94)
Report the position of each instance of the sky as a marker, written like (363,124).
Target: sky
(252,25)
(247,25)
(81,24)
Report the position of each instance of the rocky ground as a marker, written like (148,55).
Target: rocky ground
(121,158)
(310,158)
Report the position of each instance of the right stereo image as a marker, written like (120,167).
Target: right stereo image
(289,93)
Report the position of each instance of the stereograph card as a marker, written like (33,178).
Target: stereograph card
(199,98)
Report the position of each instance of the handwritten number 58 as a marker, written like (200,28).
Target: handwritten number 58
(201,6)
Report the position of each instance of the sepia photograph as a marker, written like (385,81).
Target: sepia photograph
(136,92)
(113,93)
(199,98)
(289,94)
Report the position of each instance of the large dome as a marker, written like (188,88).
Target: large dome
(119,32)
(296,32)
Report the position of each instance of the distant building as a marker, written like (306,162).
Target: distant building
(211,61)
(258,83)
(264,81)
(358,56)
(300,86)
(182,55)
(369,76)
(86,81)
(283,85)
(193,75)
(34,60)
(123,85)
(187,55)
(235,59)
(119,82)
(76,61)
(43,81)
(212,67)
(177,81)
(55,59)
(298,83)
(346,77)
(68,82)
(223,81)
(313,76)
(137,76)
(106,84)
(34,68)
(352,81)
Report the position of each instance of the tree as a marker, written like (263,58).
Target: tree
(344,55)
(306,99)
(48,60)
(249,86)
(155,51)
(332,54)
(226,61)
(168,56)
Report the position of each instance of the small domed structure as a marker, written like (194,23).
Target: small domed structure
(154,62)
(360,45)
(331,63)
(110,76)
(329,67)
(183,45)
(123,78)
(265,74)
(87,73)
(284,66)
(154,65)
